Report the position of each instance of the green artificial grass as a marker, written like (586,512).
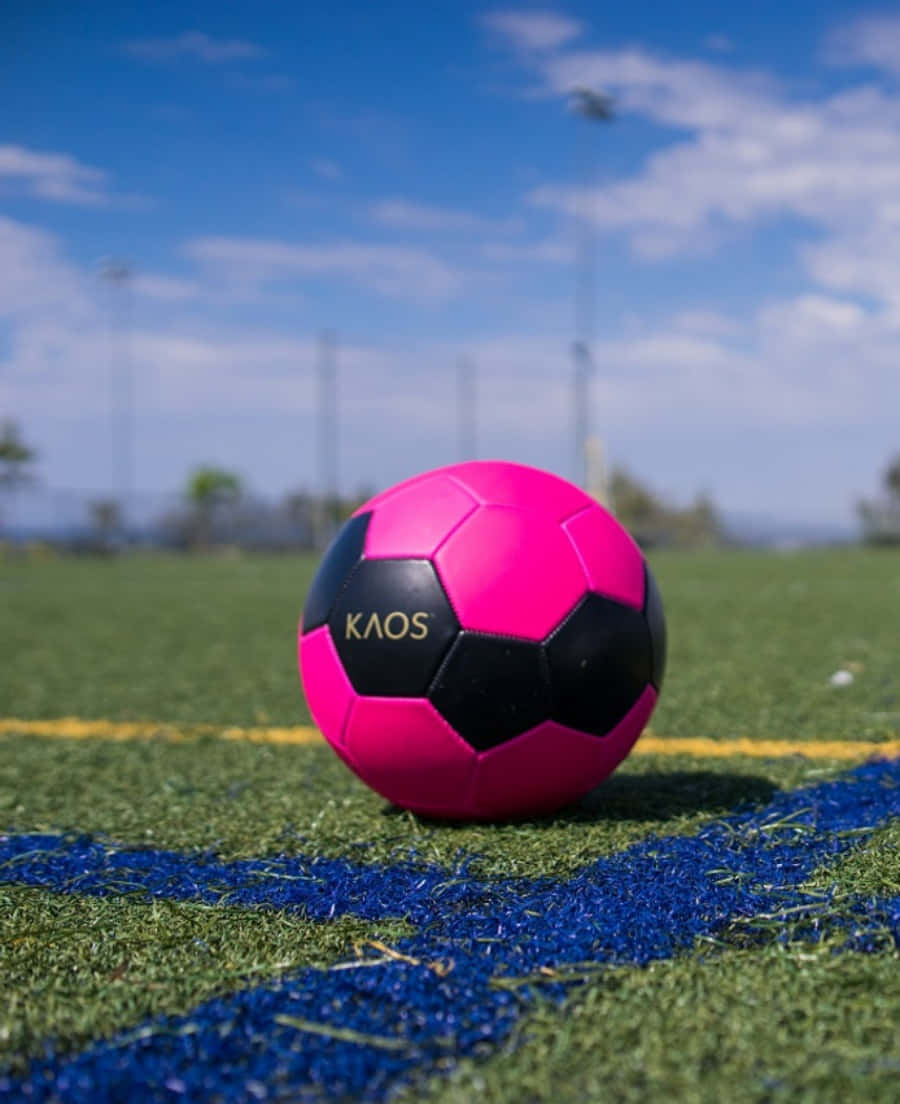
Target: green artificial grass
(244,800)
(76,969)
(778,1024)
(754,638)
(182,639)
(872,870)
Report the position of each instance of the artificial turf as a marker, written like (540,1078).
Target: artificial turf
(739,882)
(77,968)
(872,870)
(163,638)
(782,1023)
(247,799)
(753,641)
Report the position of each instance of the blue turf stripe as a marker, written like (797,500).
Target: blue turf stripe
(648,902)
(321,888)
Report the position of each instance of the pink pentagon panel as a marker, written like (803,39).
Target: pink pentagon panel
(499,483)
(510,572)
(551,766)
(613,563)
(416,519)
(396,488)
(329,694)
(407,752)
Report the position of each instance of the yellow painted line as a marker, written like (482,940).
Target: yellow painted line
(766,749)
(75,728)
(299,734)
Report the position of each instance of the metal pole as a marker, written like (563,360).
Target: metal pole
(591,107)
(117,274)
(466,410)
(327,433)
(582,367)
(581,413)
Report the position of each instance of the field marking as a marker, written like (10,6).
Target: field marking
(704,748)
(652,901)
(75,728)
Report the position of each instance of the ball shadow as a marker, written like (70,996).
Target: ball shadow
(641,798)
(664,795)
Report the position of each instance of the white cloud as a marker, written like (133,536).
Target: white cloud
(193,44)
(395,271)
(53,176)
(46,304)
(166,289)
(710,323)
(872,41)
(35,279)
(813,319)
(533,30)
(811,370)
(865,263)
(803,371)
(403,214)
(677,92)
(815,358)
(746,153)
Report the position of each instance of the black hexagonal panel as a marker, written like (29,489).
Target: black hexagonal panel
(341,556)
(392,625)
(491,688)
(653,611)
(600,662)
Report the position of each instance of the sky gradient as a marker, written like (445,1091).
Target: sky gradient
(408,176)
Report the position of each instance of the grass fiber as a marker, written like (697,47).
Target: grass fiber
(748,1015)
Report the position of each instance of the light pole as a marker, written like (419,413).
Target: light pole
(327,435)
(117,275)
(593,107)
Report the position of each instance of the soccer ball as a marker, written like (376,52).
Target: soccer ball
(482,641)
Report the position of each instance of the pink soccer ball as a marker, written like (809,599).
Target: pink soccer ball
(482,641)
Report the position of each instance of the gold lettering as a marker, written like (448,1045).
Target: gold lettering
(395,625)
(398,634)
(373,623)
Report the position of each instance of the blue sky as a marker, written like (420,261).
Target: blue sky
(406,175)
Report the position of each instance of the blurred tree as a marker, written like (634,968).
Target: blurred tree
(698,523)
(880,517)
(106,521)
(209,491)
(16,457)
(892,479)
(652,521)
(316,518)
(637,507)
(105,514)
(298,507)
